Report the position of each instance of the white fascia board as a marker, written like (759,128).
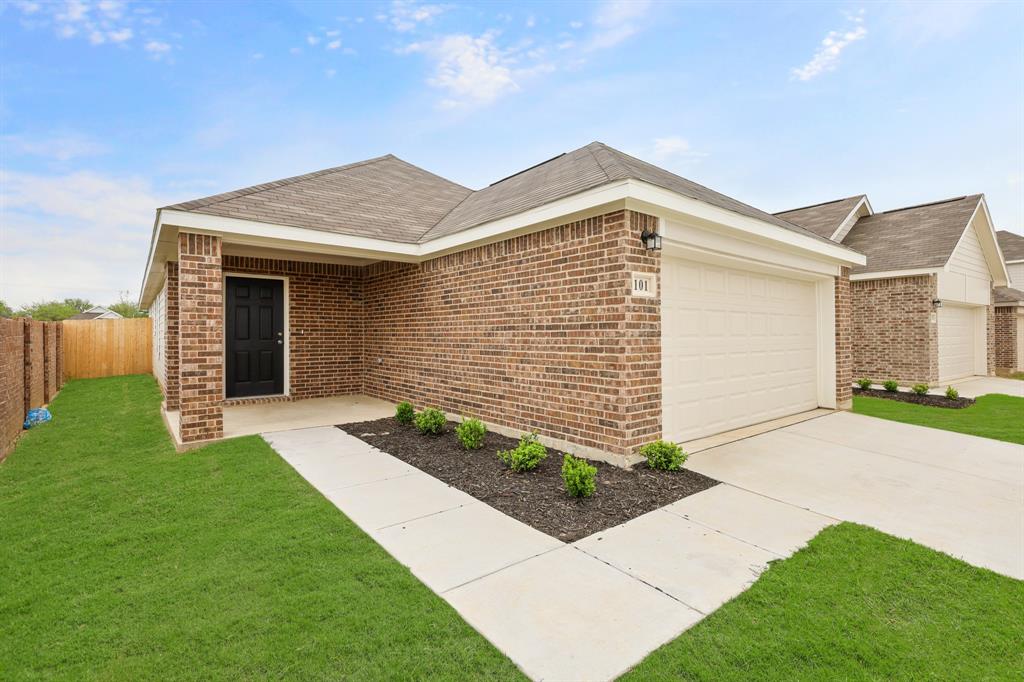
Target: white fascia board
(989,245)
(887,274)
(852,217)
(1012,262)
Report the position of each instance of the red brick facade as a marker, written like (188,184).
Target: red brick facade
(844,340)
(895,335)
(172,390)
(1004,336)
(31,372)
(201,337)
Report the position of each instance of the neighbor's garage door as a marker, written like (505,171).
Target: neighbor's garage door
(738,348)
(956,342)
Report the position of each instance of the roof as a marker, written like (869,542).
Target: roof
(921,236)
(94,313)
(822,219)
(1007,295)
(1011,244)
(394,200)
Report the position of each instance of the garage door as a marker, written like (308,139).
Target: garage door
(956,342)
(738,348)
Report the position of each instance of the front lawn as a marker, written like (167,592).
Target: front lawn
(122,559)
(992,416)
(857,604)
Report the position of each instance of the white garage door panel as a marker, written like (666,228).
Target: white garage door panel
(956,342)
(738,348)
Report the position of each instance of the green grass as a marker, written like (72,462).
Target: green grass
(857,604)
(122,559)
(992,416)
(1017,375)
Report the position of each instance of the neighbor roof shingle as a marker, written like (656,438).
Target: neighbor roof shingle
(822,219)
(1012,245)
(913,237)
(1008,295)
(394,200)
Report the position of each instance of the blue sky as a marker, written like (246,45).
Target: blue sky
(110,109)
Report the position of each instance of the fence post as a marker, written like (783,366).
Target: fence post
(27,336)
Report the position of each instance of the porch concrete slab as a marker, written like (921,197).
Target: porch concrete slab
(726,437)
(979,518)
(375,505)
(565,615)
(245,420)
(761,521)
(454,547)
(972,387)
(697,565)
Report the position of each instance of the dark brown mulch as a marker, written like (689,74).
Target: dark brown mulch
(926,399)
(538,497)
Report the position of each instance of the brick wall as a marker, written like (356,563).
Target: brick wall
(535,332)
(12,382)
(844,340)
(1004,336)
(325,323)
(200,337)
(172,389)
(35,375)
(894,332)
(990,338)
(50,361)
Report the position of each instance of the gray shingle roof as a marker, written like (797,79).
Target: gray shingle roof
(1011,244)
(822,219)
(913,237)
(1008,295)
(390,199)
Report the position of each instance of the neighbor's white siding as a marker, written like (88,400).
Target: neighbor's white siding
(158,313)
(1016,271)
(967,279)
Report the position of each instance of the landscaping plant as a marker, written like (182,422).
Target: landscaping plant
(952,393)
(431,421)
(919,389)
(578,476)
(405,413)
(471,433)
(525,456)
(662,454)
(864,384)
(891,386)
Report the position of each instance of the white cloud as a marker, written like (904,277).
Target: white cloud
(158,50)
(256,56)
(331,73)
(827,57)
(121,35)
(472,70)
(674,147)
(312,40)
(575,24)
(61,146)
(617,20)
(296,50)
(922,22)
(531,21)
(334,45)
(332,34)
(405,15)
(99,23)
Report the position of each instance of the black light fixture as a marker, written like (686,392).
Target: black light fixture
(937,303)
(651,240)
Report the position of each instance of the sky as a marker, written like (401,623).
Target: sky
(109,109)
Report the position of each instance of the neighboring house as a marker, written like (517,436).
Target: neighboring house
(1009,306)
(596,298)
(97,312)
(922,305)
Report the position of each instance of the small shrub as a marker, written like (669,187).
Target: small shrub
(525,456)
(471,433)
(405,413)
(919,389)
(664,455)
(864,384)
(431,421)
(578,476)
(952,393)
(891,386)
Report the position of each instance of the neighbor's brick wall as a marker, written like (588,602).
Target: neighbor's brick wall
(325,323)
(534,332)
(844,340)
(12,382)
(1004,333)
(894,335)
(172,387)
(201,337)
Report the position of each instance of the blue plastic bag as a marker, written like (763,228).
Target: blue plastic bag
(37,415)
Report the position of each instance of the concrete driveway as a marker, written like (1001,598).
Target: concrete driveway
(975,386)
(959,494)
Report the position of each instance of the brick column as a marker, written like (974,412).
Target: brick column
(990,336)
(201,337)
(844,340)
(172,387)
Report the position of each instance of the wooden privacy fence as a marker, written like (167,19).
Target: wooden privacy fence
(107,348)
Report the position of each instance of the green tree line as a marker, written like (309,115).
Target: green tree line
(52,311)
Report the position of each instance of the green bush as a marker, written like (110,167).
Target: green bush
(864,384)
(405,413)
(662,454)
(431,421)
(471,433)
(525,456)
(919,389)
(578,476)
(891,386)
(952,393)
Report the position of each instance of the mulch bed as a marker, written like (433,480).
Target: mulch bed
(538,497)
(926,399)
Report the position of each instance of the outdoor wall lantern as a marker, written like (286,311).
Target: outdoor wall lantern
(651,240)
(937,303)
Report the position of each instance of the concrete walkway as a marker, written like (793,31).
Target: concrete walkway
(585,611)
(975,386)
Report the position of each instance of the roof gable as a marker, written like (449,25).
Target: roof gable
(1012,245)
(826,219)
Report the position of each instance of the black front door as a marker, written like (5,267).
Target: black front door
(255,337)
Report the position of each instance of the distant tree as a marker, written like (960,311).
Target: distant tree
(126,307)
(52,311)
(5,310)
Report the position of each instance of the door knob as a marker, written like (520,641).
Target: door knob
(279,341)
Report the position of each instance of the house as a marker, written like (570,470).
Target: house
(595,298)
(1009,307)
(97,312)
(923,302)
